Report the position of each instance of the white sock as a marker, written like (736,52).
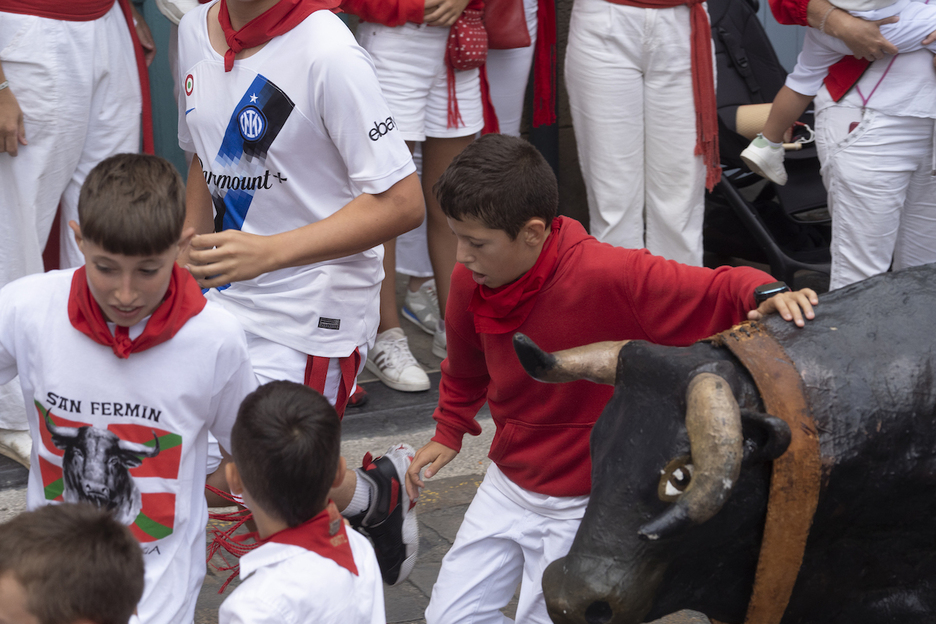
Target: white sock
(772,144)
(360,502)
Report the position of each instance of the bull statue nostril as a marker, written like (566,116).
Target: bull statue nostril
(598,612)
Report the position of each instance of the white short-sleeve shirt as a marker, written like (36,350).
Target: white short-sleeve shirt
(287,138)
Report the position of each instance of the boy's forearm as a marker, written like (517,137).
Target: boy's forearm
(198,209)
(365,222)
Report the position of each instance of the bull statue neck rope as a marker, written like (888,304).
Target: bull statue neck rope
(796,475)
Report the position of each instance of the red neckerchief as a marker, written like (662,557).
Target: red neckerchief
(324,534)
(183,300)
(278,19)
(503,309)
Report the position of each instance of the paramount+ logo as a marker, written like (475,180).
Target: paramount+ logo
(381,128)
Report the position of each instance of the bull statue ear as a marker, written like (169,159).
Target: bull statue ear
(766,437)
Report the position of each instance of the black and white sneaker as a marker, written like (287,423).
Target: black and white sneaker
(390,521)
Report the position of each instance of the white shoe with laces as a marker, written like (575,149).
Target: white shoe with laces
(393,363)
(765,160)
(422,307)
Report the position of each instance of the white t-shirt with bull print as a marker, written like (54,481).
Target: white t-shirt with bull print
(130,434)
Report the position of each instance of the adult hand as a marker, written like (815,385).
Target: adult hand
(930,38)
(12,130)
(433,453)
(443,13)
(862,37)
(229,256)
(145,36)
(792,306)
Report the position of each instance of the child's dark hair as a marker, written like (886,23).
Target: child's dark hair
(132,204)
(501,181)
(286,444)
(74,562)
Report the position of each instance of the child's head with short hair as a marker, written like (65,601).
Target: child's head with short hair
(500,181)
(69,563)
(286,445)
(132,204)
(132,210)
(500,197)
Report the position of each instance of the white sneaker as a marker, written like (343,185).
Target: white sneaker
(394,364)
(422,307)
(16,444)
(765,160)
(438,340)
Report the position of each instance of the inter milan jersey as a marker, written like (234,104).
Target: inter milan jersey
(287,138)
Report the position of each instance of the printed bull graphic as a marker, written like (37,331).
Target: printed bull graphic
(96,468)
(682,458)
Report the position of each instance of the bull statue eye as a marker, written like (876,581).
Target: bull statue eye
(675,479)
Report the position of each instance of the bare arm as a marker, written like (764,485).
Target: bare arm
(144,35)
(12,130)
(443,13)
(366,221)
(863,38)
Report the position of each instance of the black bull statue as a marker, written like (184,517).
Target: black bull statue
(660,536)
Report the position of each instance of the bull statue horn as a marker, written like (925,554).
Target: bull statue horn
(61,432)
(596,362)
(713,421)
(140,449)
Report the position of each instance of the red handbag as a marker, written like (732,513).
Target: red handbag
(467,42)
(505,21)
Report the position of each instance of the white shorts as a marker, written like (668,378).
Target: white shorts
(410,62)
(271,361)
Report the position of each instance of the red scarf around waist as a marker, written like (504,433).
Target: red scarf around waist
(183,300)
(325,534)
(503,309)
(277,20)
(703,82)
(68,10)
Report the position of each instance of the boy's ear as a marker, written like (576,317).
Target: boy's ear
(77,230)
(340,473)
(534,232)
(233,479)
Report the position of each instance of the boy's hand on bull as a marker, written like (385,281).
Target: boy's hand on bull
(433,453)
(794,306)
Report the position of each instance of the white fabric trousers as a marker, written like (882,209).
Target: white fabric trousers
(629,80)
(502,543)
(508,72)
(79,90)
(882,190)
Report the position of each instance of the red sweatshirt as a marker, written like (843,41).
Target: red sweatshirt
(842,75)
(596,292)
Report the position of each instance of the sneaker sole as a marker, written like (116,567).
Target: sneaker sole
(410,525)
(410,316)
(439,351)
(396,385)
(758,166)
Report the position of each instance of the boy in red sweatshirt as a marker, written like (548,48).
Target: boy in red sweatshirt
(522,269)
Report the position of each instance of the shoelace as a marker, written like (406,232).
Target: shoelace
(396,355)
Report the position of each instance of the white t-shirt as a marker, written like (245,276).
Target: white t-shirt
(175,391)
(286,584)
(287,138)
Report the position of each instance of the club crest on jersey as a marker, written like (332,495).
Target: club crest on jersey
(252,123)
(189,84)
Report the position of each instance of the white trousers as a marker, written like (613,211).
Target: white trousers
(882,191)
(508,72)
(628,74)
(410,64)
(79,90)
(502,543)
